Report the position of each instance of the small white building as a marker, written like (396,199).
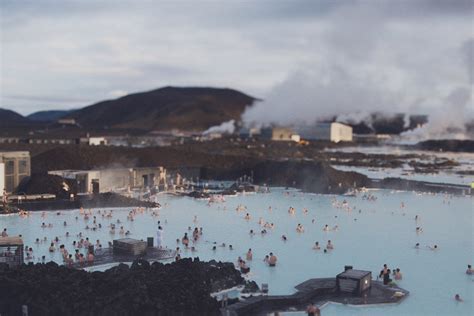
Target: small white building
(96,141)
(334,132)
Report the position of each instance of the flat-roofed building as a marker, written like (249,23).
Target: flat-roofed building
(279,134)
(16,167)
(334,132)
(114,179)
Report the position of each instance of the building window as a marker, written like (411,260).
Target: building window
(23,166)
(9,167)
(9,183)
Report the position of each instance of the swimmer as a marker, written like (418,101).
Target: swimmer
(469,270)
(90,257)
(185,240)
(300,228)
(266,259)
(52,248)
(316,246)
(398,274)
(283,237)
(69,261)
(244,268)
(326,228)
(249,255)
(458,298)
(435,247)
(77,255)
(272,260)
(417,246)
(329,245)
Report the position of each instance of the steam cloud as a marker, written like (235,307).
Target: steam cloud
(367,61)
(225,128)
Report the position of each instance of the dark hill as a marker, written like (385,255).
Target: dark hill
(48,116)
(11,118)
(166,108)
(454,145)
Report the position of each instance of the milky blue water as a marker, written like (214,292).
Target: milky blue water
(382,232)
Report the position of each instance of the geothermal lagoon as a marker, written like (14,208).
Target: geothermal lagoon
(370,232)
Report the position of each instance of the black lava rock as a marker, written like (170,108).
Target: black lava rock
(179,288)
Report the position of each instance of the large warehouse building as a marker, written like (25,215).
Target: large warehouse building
(334,132)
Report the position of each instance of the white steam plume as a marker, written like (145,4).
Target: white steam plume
(365,61)
(225,128)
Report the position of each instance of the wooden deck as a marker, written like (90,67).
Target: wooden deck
(317,291)
(106,256)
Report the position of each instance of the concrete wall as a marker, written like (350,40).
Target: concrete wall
(341,133)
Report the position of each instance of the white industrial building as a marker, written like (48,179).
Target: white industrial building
(97,141)
(279,134)
(115,179)
(334,132)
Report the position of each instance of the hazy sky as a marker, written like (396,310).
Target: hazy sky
(367,54)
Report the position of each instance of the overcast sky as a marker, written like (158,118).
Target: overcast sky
(367,54)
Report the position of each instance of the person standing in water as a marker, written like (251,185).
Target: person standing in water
(249,255)
(272,260)
(159,237)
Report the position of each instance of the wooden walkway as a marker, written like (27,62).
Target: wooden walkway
(317,291)
(106,256)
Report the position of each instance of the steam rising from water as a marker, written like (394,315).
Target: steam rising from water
(225,128)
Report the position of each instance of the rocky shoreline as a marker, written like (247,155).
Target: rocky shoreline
(101,200)
(178,288)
